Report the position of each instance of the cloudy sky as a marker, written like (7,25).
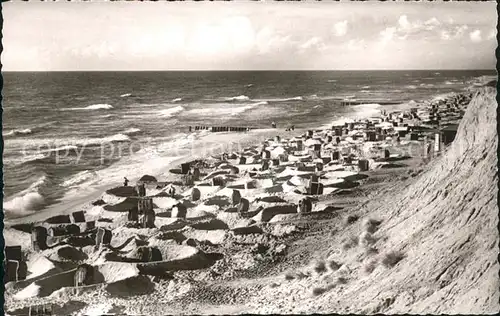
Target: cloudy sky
(45,36)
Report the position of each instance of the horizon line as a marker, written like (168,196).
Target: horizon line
(255,70)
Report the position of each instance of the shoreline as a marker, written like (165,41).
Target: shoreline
(73,203)
(269,219)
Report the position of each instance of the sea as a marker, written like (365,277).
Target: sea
(64,131)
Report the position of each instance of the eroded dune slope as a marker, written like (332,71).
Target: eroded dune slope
(437,244)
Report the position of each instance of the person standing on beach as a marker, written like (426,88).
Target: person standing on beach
(125,182)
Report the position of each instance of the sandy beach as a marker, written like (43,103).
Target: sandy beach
(327,218)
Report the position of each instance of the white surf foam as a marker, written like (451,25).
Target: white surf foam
(80,178)
(66,148)
(176,100)
(131,131)
(28,158)
(15,132)
(260,103)
(171,112)
(103,106)
(225,109)
(238,98)
(48,145)
(109,139)
(26,201)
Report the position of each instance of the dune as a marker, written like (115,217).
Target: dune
(437,243)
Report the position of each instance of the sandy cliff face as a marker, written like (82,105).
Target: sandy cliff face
(446,223)
(442,224)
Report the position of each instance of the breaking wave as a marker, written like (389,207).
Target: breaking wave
(170,112)
(15,161)
(79,178)
(108,115)
(238,98)
(176,100)
(260,103)
(282,99)
(102,106)
(15,132)
(126,95)
(226,110)
(109,139)
(98,107)
(131,131)
(26,201)
(57,149)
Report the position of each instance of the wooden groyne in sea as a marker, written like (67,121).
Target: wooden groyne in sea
(358,102)
(221,128)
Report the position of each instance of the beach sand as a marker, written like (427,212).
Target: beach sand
(393,242)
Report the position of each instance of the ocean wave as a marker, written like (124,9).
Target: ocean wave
(57,149)
(426,85)
(260,103)
(226,110)
(103,106)
(281,99)
(331,80)
(448,82)
(365,87)
(15,132)
(171,112)
(176,100)
(80,178)
(107,115)
(131,131)
(238,98)
(26,201)
(349,96)
(109,139)
(125,95)
(54,145)
(73,144)
(411,87)
(16,161)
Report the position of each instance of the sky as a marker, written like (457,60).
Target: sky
(265,35)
